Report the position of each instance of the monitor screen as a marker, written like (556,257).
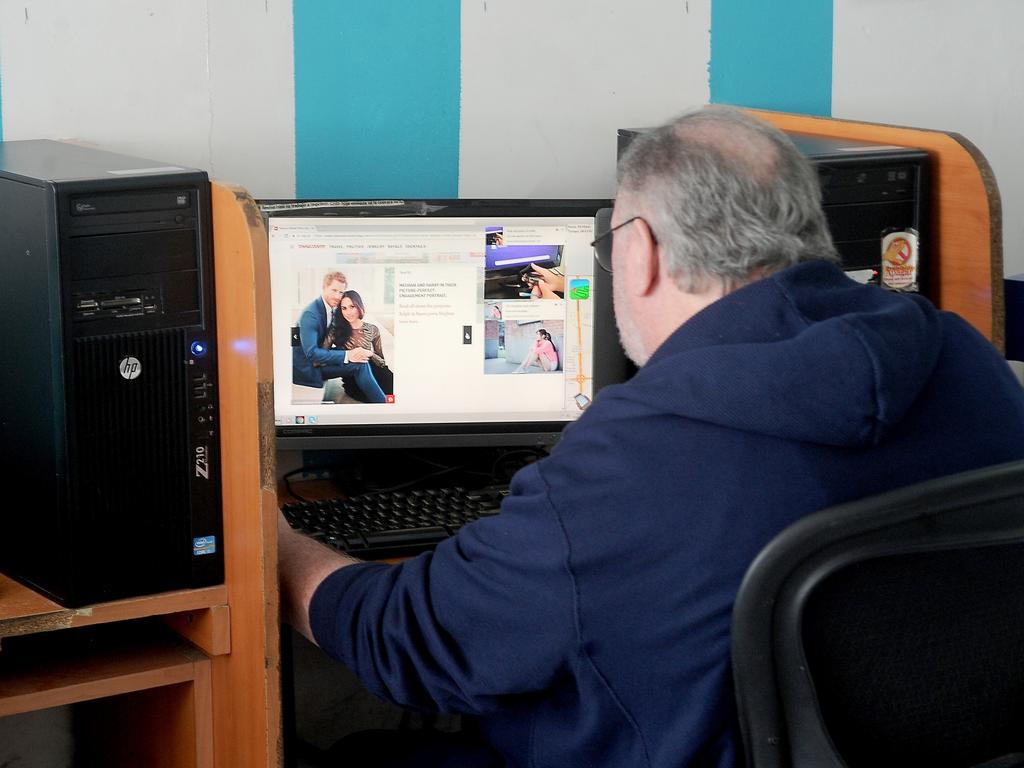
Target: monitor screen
(448,323)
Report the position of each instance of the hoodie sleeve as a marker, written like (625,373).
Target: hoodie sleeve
(488,614)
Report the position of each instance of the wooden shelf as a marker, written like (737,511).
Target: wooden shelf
(54,674)
(134,680)
(24,611)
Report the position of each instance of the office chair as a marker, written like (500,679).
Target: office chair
(889,631)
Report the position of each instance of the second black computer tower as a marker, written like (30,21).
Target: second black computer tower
(872,193)
(109,441)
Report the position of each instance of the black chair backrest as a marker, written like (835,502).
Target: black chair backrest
(889,631)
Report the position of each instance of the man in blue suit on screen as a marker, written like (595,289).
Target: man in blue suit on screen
(322,332)
(588,624)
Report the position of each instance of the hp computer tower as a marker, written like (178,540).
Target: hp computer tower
(109,444)
(875,199)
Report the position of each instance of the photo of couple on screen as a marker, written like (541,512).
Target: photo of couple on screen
(343,340)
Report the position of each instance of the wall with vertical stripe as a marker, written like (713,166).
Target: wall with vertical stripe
(546,85)
(377,98)
(772,55)
(942,65)
(508,98)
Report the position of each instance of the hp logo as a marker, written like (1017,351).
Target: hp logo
(129,368)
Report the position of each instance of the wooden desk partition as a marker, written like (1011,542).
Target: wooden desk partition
(246,682)
(965,244)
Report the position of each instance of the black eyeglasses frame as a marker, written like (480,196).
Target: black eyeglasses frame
(602,244)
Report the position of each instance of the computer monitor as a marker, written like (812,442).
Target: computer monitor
(488,321)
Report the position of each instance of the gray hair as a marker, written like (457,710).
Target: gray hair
(728,196)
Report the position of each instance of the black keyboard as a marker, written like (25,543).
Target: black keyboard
(393,524)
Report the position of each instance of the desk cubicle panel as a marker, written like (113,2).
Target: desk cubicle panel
(246,682)
(964,238)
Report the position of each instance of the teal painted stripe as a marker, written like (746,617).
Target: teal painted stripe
(377,98)
(772,55)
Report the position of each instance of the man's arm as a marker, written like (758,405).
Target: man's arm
(309,337)
(488,614)
(302,564)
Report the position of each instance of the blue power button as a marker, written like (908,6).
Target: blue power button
(198,349)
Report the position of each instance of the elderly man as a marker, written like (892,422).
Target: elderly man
(588,623)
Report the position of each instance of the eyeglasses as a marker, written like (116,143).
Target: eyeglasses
(602,244)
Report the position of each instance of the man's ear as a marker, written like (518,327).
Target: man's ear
(646,262)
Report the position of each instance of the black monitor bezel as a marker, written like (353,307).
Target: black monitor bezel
(609,367)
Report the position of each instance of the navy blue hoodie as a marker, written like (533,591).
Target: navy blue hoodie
(588,624)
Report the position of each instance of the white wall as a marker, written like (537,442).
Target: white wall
(546,84)
(202,83)
(946,65)
(210,84)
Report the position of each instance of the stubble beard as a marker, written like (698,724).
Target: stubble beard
(629,333)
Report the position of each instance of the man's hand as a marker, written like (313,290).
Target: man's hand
(359,355)
(549,285)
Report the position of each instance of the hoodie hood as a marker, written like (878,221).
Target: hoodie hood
(805,354)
